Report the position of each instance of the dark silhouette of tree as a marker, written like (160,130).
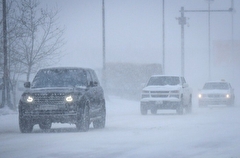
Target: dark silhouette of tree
(34,39)
(41,38)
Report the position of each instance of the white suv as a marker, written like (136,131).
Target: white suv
(166,92)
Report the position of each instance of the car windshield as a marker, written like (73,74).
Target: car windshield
(60,78)
(163,80)
(217,85)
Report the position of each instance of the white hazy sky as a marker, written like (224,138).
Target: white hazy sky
(134,34)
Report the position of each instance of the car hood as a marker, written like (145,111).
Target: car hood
(51,90)
(162,88)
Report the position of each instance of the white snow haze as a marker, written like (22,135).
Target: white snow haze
(134,34)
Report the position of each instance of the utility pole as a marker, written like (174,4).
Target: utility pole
(103,34)
(232,39)
(163,53)
(209,40)
(6,91)
(182,22)
(103,40)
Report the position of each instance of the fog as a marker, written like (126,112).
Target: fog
(134,35)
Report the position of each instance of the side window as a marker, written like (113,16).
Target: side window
(80,78)
(94,76)
(183,80)
(230,86)
(89,78)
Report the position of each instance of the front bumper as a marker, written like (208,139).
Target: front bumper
(161,104)
(219,101)
(60,114)
(38,117)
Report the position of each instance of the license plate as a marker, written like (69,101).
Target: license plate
(159,102)
(48,107)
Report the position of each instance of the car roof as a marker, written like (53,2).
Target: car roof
(221,81)
(165,76)
(65,68)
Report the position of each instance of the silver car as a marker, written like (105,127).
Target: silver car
(216,93)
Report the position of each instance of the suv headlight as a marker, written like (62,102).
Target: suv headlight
(27,98)
(69,98)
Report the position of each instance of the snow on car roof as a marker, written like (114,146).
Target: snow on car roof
(51,68)
(166,76)
(219,81)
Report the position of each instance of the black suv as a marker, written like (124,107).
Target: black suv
(62,95)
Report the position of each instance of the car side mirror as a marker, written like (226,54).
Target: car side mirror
(27,84)
(93,84)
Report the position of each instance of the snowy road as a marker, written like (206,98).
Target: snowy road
(206,133)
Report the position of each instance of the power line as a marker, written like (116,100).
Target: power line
(182,22)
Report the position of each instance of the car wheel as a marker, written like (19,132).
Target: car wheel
(143,110)
(25,124)
(180,108)
(189,106)
(83,120)
(154,111)
(100,123)
(231,103)
(45,125)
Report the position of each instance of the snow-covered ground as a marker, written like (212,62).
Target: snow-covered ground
(206,133)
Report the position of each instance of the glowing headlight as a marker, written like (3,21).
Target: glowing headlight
(199,95)
(69,98)
(227,95)
(29,99)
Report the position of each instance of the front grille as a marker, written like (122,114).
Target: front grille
(159,94)
(215,96)
(49,98)
(50,113)
(163,94)
(159,91)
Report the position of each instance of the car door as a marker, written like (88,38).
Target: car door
(92,94)
(97,90)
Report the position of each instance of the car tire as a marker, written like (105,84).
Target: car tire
(25,124)
(179,109)
(154,111)
(83,119)
(189,106)
(100,123)
(45,125)
(143,110)
(231,103)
